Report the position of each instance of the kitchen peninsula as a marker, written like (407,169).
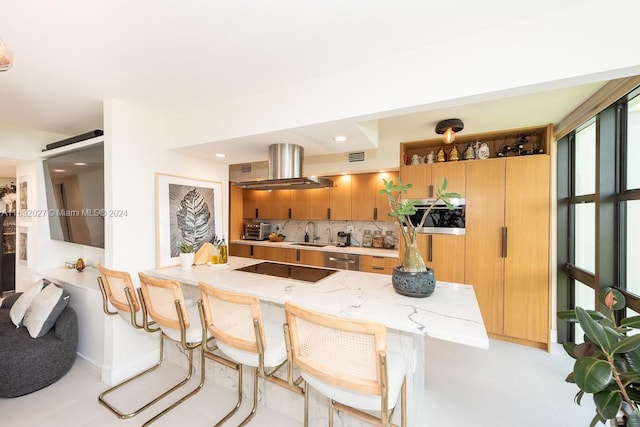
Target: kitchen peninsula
(451,313)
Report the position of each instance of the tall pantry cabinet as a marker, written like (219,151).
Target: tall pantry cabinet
(507,246)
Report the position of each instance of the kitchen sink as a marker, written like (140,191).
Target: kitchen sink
(316,245)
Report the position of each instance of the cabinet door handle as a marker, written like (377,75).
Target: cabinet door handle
(375,214)
(328,213)
(430,190)
(251,250)
(504,242)
(430,256)
(289,213)
(256,212)
(297,255)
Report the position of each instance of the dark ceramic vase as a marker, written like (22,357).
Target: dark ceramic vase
(418,284)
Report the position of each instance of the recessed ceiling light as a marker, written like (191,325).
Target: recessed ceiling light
(59,170)
(221,155)
(340,138)
(80,164)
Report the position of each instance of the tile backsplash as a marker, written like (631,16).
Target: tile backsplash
(328,230)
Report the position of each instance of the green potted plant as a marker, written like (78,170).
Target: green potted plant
(412,277)
(187,255)
(608,362)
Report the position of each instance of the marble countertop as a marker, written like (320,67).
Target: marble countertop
(451,313)
(359,250)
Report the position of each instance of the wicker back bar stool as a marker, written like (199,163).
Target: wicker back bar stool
(348,362)
(119,292)
(165,304)
(242,335)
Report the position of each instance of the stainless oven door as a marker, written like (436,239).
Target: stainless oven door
(342,261)
(441,219)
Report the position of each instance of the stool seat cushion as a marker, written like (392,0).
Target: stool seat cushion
(274,354)
(194,331)
(395,373)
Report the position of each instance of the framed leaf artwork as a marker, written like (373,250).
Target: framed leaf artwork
(189,212)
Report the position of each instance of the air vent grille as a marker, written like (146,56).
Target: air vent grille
(356,157)
(246,167)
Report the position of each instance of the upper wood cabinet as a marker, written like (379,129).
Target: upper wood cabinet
(366,203)
(264,204)
(340,198)
(426,178)
(318,203)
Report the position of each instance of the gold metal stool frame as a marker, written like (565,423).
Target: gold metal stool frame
(132,306)
(252,314)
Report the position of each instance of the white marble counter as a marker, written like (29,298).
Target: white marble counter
(359,250)
(451,313)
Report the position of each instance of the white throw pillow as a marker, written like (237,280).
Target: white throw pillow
(20,307)
(45,309)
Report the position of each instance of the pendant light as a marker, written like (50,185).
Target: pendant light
(448,128)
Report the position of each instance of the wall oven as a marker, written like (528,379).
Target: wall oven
(441,219)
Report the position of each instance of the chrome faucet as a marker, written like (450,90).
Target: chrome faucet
(306,232)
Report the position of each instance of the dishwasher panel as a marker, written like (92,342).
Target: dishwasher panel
(342,261)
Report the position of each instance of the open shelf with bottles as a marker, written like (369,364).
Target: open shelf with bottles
(504,143)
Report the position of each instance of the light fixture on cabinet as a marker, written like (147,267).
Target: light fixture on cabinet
(6,56)
(448,128)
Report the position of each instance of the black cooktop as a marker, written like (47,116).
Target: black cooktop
(288,271)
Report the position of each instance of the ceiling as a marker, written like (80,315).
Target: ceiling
(71,56)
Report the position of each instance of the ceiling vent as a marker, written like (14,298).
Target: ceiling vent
(246,168)
(356,157)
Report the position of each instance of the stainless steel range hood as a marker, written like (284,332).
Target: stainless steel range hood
(285,171)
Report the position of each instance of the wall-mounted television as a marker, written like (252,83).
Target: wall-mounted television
(74,181)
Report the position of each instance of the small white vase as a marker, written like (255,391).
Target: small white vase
(186,260)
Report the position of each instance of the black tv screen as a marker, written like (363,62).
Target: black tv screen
(74,182)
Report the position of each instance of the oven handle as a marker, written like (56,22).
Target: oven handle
(347,260)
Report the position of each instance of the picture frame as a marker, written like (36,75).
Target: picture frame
(22,246)
(23,198)
(189,211)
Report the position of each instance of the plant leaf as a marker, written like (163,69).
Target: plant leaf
(633,360)
(631,322)
(597,419)
(592,375)
(570,315)
(608,403)
(593,329)
(626,344)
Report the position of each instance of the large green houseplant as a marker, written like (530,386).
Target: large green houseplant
(412,266)
(608,362)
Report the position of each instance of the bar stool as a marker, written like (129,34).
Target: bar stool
(165,304)
(118,290)
(235,320)
(347,361)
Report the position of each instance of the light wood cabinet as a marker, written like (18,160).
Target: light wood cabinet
(425,179)
(377,264)
(507,254)
(340,198)
(264,204)
(366,203)
(248,251)
(443,253)
(318,203)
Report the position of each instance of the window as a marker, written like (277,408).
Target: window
(599,209)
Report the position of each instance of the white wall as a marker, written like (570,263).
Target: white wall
(136,148)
